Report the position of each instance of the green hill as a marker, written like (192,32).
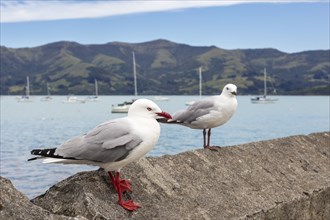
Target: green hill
(163,67)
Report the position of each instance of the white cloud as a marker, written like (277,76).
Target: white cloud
(24,10)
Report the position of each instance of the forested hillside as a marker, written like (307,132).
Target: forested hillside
(163,67)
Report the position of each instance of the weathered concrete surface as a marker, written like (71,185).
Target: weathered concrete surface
(314,206)
(15,205)
(287,178)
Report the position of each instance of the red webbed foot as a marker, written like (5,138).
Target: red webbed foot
(122,186)
(212,148)
(129,205)
(125,185)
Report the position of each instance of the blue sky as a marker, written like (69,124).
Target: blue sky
(290,26)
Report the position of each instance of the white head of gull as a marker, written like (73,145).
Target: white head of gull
(208,112)
(112,145)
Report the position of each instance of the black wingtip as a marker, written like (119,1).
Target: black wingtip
(34,158)
(48,152)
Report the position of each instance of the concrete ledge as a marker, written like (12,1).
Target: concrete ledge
(286,178)
(14,205)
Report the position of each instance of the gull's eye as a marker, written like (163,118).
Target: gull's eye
(227,88)
(149,109)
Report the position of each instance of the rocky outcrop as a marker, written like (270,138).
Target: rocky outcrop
(286,178)
(15,205)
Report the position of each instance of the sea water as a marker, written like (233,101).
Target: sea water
(25,126)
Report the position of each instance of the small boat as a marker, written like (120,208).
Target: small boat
(122,108)
(200,87)
(96,97)
(47,98)
(263,99)
(26,97)
(161,98)
(73,100)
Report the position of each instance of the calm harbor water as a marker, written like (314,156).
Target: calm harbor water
(25,126)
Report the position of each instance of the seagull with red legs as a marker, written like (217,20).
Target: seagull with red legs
(207,113)
(112,145)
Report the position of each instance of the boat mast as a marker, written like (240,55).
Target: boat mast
(265,82)
(200,82)
(96,88)
(48,93)
(134,71)
(27,92)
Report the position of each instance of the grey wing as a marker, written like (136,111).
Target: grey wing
(108,142)
(194,111)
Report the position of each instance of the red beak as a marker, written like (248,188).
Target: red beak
(164,115)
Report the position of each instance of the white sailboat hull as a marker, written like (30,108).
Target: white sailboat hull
(24,99)
(161,98)
(73,100)
(263,100)
(96,97)
(120,109)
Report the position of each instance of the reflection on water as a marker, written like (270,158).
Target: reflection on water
(25,126)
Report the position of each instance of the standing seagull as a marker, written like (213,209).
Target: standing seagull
(112,145)
(208,112)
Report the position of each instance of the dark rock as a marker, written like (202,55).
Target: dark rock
(15,205)
(286,178)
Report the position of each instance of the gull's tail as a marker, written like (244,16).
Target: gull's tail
(49,152)
(49,156)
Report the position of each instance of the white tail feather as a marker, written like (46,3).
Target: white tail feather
(69,161)
(54,160)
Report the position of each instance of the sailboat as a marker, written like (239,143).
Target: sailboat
(26,97)
(161,98)
(71,99)
(200,87)
(96,97)
(123,107)
(263,99)
(48,97)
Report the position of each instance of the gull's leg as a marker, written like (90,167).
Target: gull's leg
(208,141)
(113,180)
(129,204)
(208,137)
(204,136)
(125,184)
